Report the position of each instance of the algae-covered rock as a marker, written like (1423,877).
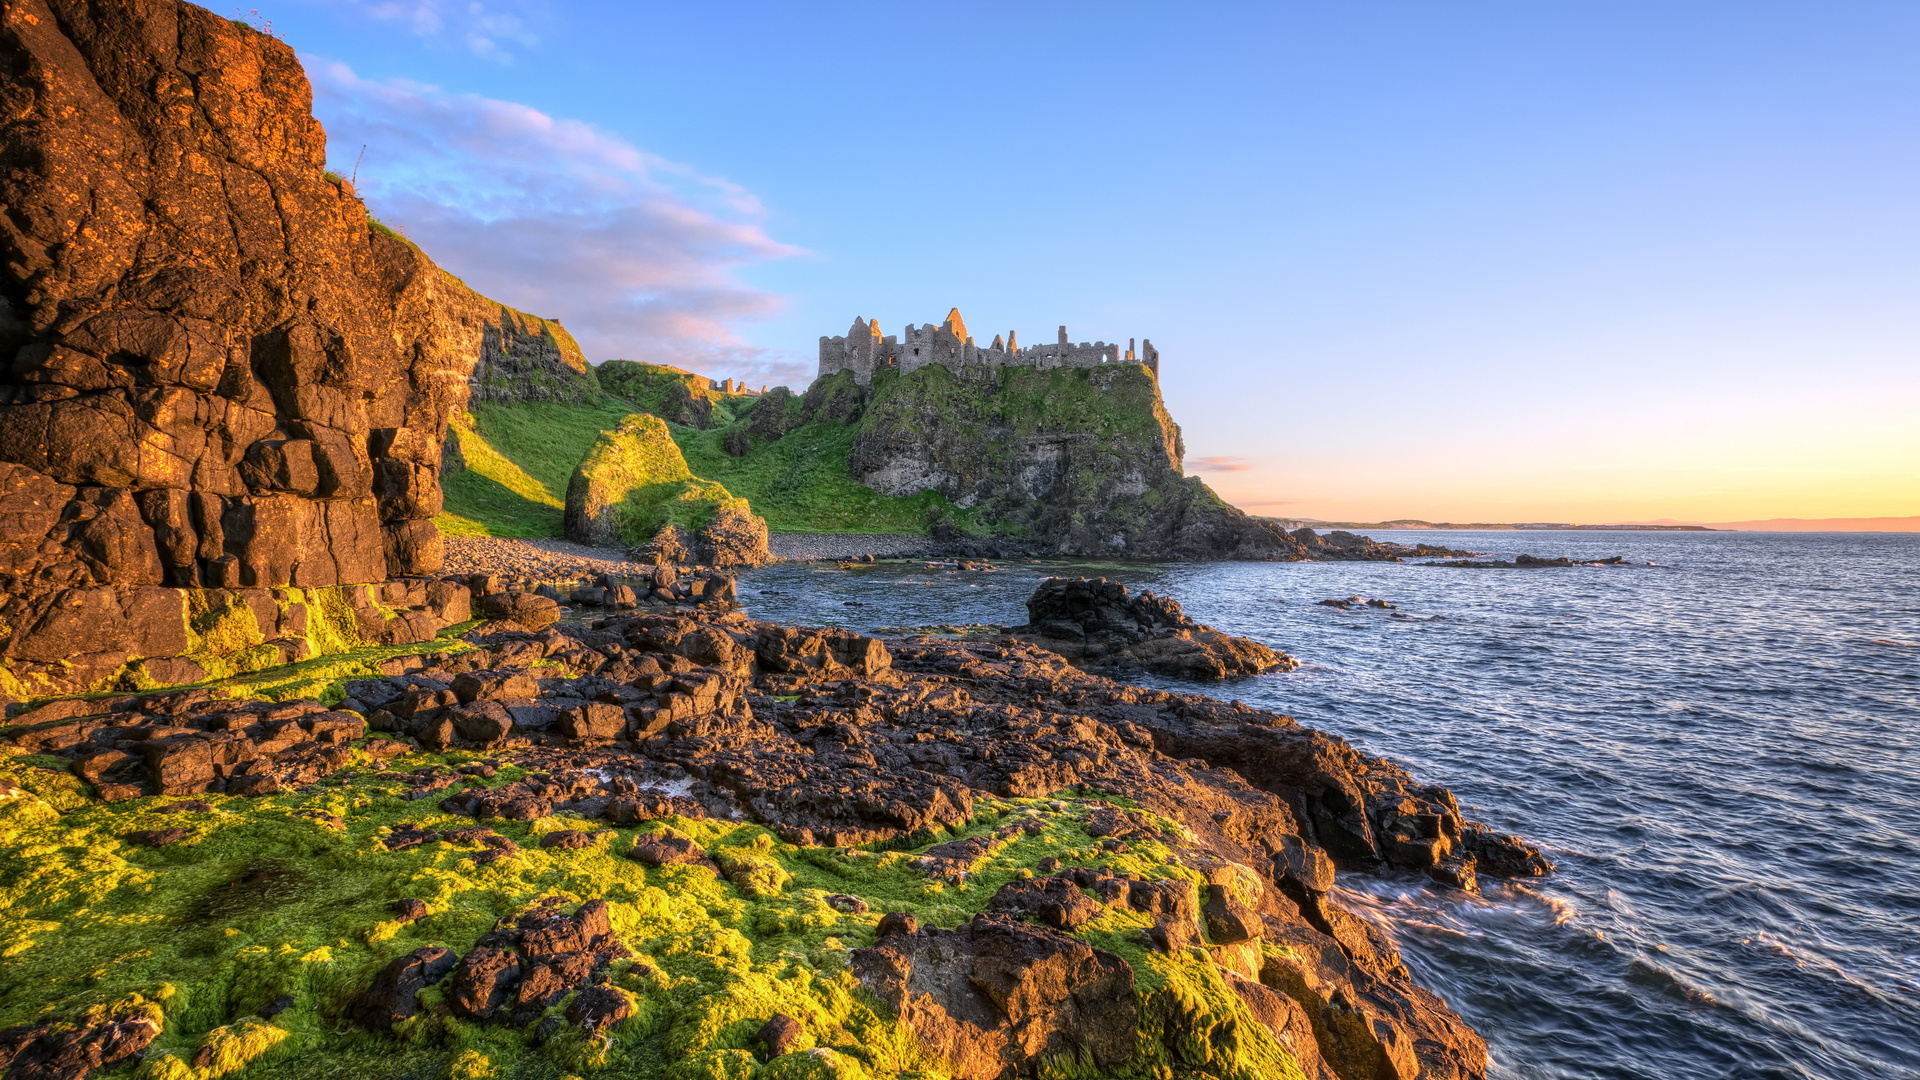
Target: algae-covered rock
(634,487)
(1025,862)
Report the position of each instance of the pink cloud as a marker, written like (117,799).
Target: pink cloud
(634,254)
(1219,464)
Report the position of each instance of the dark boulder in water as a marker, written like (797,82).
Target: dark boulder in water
(1096,623)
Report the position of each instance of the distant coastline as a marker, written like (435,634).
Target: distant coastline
(1876,524)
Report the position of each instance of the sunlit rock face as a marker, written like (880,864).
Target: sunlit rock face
(218,373)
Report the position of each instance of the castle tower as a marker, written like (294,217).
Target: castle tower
(1063,336)
(955,325)
(863,349)
(1150,356)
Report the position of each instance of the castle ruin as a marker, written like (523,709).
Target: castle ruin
(863,351)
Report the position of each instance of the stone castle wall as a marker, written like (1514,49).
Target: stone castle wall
(864,351)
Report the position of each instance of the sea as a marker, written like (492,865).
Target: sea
(1718,744)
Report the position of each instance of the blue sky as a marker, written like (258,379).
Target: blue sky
(1493,261)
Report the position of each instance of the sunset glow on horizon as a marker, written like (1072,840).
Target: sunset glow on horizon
(1512,263)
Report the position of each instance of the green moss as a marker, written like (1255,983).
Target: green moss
(262,903)
(638,470)
(322,678)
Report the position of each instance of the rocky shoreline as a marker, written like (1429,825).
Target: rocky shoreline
(1156,833)
(810,547)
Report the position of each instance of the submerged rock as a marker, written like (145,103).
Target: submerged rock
(1531,562)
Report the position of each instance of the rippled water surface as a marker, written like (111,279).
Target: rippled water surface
(1721,751)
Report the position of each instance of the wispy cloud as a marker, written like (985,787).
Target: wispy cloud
(1219,464)
(634,254)
(490,31)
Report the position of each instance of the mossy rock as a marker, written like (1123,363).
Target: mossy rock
(265,901)
(634,485)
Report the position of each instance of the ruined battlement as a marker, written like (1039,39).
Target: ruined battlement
(864,351)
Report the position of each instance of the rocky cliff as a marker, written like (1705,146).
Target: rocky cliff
(219,372)
(1067,461)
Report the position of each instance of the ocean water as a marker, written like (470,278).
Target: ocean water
(1719,746)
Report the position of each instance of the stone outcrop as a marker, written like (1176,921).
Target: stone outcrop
(139,637)
(673,394)
(1077,460)
(1097,624)
(733,536)
(996,996)
(634,487)
(523,357)
(638,456)
(1086,461)
(219,372)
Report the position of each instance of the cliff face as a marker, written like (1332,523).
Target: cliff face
(218,372)
(1081,461)
(522,357)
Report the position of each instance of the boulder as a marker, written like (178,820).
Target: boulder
(659,849)
(495,685)
(393,996)
(46,1051)
(1050,901)
(779,1034)
(997,996)
(527,610)
(516,972)
(1097,623)
(593,720)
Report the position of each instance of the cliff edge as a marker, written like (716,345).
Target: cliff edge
(221,373)
(1067,461)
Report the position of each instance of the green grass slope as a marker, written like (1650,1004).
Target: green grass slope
(672,393)
(800,483)
(519,458)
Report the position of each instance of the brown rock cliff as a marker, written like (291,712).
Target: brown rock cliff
(215,371)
